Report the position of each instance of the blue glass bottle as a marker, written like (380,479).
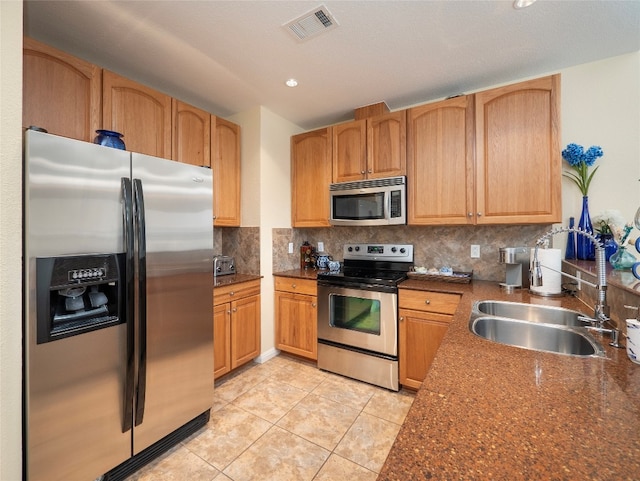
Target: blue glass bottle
(570,251)
(585,250)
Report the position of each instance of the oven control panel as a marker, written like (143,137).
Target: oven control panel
(391,252)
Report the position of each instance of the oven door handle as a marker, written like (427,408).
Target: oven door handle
(358,285)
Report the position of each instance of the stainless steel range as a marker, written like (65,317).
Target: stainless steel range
(358,313)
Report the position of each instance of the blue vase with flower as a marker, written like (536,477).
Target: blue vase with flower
(580,160)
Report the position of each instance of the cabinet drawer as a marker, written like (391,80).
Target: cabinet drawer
(428,301)
(295,285)
(232,292)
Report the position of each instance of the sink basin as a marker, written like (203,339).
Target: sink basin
(536,336)
(529,312)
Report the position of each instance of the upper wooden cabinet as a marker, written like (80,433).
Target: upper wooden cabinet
(225,163)
(60,93)
(518,162)
(141,114)
(370,148)
(191,143)
(310,178)
(440,151)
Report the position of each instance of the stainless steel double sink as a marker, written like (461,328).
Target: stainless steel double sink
(529,326)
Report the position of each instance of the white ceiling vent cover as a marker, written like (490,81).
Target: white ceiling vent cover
(312,23)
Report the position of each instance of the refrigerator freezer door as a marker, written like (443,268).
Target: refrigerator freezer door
(73,386)
(177,363)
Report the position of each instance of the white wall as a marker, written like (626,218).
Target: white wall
(10,240)
(601,106)
(266,195)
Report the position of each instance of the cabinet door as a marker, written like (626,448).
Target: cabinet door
(191,143)
(387,145)
(296,324)
(61,93)
(141,114)
(518,163)
(440,163)
(350,151)
(225,163)
(310,178)
(245,330)
(420,336)
(221,339)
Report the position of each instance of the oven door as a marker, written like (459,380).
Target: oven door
(360,317)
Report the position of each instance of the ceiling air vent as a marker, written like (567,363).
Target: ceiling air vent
(312,23)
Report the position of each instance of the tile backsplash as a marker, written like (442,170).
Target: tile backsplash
(243,243)
(435,246)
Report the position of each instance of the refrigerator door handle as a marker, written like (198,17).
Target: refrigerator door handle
(127,212)
(139,213)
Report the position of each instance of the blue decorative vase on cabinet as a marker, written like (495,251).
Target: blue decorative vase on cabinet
(109,138)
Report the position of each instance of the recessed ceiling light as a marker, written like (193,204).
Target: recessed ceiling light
(292,82)
(523,3)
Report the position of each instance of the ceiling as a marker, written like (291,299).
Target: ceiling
(231,56)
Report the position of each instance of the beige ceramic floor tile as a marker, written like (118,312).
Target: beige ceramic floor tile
(339,469)
(368,441)
(392,406)
(228,389)
(300,375)
(278,456)
(270,399)
(177,464)
(229,432)
(346,391)
(319,420)
(222,477)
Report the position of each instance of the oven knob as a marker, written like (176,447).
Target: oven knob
(394,249)
(350,249)
(357,248)
(402,250)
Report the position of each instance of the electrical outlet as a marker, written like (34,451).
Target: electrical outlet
(320,246)
(290,247)
(475,251)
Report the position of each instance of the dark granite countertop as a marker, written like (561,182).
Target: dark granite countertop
(487,411)
(299,273)
(230,279)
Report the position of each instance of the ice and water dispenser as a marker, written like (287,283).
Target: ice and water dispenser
(78,294)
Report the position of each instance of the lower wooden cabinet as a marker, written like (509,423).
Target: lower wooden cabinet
(236,326)
(424,320)
(296,316)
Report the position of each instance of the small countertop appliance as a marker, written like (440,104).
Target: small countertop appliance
(223,265)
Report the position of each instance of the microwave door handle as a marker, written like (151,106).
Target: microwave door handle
(387,205)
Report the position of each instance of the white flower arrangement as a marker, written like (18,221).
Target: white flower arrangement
(609,222)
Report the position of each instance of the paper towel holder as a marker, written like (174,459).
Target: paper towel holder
(517,261)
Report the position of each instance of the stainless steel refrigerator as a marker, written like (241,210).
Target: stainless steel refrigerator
(118,333)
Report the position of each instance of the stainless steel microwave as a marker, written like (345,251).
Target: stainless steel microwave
(369,202)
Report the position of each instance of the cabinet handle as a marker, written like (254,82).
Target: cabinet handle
(362,172)
(470,214)
(427,301)
(401,318)
(293,285)
(234,310)
(479,214)
(232,293)
(369,171)
(228,312)
(313,304)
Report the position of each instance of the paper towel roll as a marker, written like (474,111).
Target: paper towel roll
(551,281)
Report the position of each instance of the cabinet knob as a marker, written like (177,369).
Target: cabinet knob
(427,301)
(293,285)
(362,172)
(232,293)
(369,171)
(234,310)
(313,304)
(470,214)
(401,318)
(479,214)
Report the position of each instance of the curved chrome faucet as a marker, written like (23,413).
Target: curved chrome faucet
(601,309)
